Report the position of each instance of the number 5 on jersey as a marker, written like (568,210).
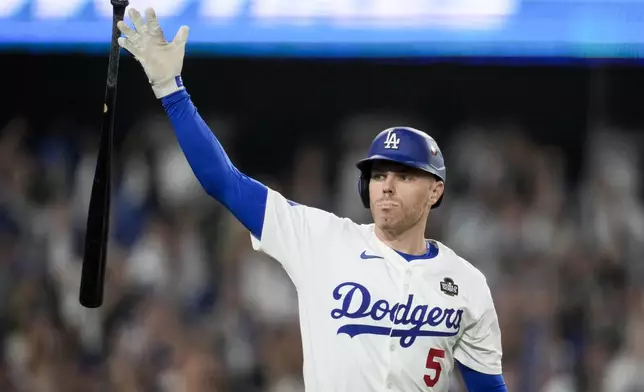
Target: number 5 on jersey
(433,364)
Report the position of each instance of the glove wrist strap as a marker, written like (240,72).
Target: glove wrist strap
(166,88)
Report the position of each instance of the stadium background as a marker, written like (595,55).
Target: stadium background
(544,196)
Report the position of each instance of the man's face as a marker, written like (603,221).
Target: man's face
(401,196)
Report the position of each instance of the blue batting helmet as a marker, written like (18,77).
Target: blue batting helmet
(404,145)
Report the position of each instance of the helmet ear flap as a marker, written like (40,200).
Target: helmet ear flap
(363,189)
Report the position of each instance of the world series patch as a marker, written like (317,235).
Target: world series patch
(448,287)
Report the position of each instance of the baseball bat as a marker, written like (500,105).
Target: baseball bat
(98,216)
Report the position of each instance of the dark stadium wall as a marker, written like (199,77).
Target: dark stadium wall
(287,100)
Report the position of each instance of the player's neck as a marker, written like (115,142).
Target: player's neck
(411,242)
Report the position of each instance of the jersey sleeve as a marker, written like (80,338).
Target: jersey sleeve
(479,348)
(295,235)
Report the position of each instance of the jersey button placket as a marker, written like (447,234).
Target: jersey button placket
(395,341)
(406,281)
(392,349)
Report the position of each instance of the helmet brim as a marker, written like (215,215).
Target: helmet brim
(364,165)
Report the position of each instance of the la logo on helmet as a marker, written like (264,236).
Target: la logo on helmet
(392,140)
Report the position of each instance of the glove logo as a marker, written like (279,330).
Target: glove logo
(392,141)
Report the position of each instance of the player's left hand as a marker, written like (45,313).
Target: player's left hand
(162,61)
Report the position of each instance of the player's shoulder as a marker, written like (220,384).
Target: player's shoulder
(461,266)
(315,214)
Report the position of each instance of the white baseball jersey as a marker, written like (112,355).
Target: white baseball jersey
(371,320)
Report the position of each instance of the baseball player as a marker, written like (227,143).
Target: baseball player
(381,308)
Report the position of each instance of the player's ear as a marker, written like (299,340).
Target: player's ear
(436,190)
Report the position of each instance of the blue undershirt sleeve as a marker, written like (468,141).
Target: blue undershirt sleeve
(243,196)
(481,382)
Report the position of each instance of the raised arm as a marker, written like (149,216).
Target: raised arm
(162,62)
(242,195)
(288,232)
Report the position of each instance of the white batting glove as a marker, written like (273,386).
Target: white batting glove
(162,61)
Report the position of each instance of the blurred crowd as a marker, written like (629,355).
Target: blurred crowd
(190,307)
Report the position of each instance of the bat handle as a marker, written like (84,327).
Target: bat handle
(120,3)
